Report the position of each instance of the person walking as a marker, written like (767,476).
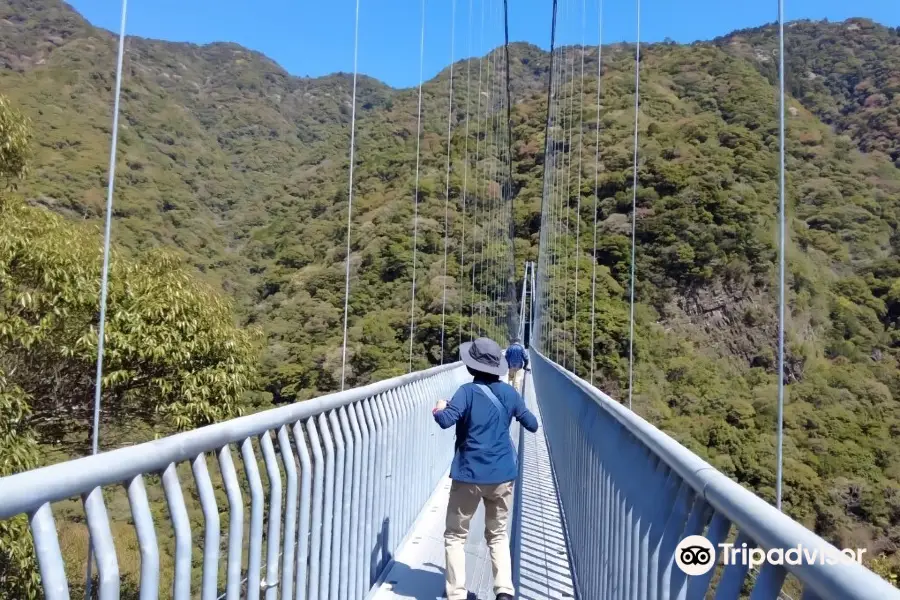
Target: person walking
(517,359)
(485,465)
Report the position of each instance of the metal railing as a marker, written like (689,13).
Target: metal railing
(347,475)
(630,493)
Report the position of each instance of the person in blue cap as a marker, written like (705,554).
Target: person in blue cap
(485,465)
(517,359)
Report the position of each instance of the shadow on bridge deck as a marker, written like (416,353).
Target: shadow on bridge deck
(544,573)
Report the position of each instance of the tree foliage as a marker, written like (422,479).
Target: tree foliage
(240,170)
(173,353)
(15,146)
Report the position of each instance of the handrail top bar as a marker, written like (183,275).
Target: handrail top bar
(765,524)
(26,492)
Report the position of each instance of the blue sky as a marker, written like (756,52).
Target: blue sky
(316,38)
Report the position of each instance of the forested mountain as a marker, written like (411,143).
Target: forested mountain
(241,170)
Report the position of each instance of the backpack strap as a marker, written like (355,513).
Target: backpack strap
(493,398)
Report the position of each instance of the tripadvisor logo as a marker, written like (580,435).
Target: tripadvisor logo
(696,555)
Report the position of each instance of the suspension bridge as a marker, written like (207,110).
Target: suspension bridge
(343,496)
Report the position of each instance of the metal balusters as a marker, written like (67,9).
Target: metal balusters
(181,586)
(290,514)
(103,546)
(304,531)
(257,499)
(146,536)
(209,588)
(273,534)
(629,494)
(235,524)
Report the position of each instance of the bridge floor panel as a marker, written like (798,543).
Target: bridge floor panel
(418,569)
(543,557)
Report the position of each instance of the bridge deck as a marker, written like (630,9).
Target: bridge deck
(418,570)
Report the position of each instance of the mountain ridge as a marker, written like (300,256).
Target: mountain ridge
(242,168)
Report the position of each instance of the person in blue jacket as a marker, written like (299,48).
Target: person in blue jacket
(517,359)
(485,465)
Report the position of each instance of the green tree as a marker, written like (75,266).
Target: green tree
(15,138)
(173,351)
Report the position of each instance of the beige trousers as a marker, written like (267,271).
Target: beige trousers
(513,377)
(464,501)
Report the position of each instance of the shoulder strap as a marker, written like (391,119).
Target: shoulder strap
(493,398)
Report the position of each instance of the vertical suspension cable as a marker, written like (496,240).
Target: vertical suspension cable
(350,195)
(462,242)
(552,272)
(568,205)
(479,200)
(634,185)
(578,195)
(509,177)
(781,250)
(104,274)
(447,197)
(538,326)
(484,311)
(496,107)
(559,296)
(596,180)
(412,310)
(107,233)
(509,319)
(489,115)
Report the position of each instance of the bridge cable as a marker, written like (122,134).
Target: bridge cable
(490,121)
(447,197)
(781,257)
(350,193)
(552,197)
(497,167)
(496,181)
(567,198)
(578,196)
(511,292)
(509,306)
(634,186)
(482,195)
(489,116)
(563,191)
(412,310)
(561,246)
(477,199)
(477,268)
(104,277)
(542,237)
(496,248)
(462,241)
(596,180)
(552,194)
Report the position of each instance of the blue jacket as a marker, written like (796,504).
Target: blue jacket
(516,357)
(485,454)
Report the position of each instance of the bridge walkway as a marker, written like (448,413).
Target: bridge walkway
(541,560)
